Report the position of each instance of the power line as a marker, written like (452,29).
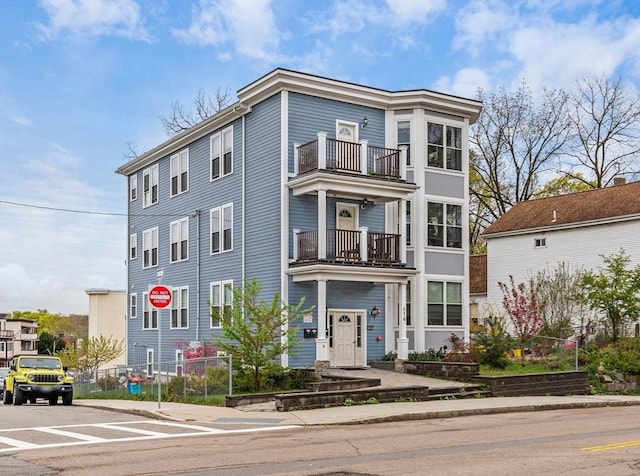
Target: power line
(85,212)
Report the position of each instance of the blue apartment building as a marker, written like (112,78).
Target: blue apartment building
(351,196)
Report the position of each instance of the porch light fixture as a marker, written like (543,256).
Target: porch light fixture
(365,122)
(364,203)
(374,312)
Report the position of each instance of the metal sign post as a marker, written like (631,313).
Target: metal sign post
(160,297)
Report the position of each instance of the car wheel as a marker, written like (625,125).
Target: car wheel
(67,399)
(8,397)
(33,400)
(18,398)
(53,400)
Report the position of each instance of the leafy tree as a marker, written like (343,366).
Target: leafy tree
(563,185)
(605,117)
(523,309)
(255,332)
(50,344)
(91,353)
(614,291)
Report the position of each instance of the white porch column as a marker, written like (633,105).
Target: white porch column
(364,163)
(403,162)
(322,342)
(402,212)
(322,150)
(295,243)
(322,224)
(363,243)
(295,158)
(403,341)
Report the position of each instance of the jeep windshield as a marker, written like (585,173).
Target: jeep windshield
(39,363)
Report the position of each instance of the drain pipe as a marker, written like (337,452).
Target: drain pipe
(197,216)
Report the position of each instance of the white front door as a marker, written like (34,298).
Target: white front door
(346,134)
(346,223)
(346,339)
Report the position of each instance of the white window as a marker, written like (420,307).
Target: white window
(180,172)
(444,146)
(133,187)
(221,302)
(540,243)
(444,225)
(133,246)
(180,308)
(150,313)
(179,240)
(150,361)
(444,303)
(408,223)
(404,137)
(150,186)
(221,153)
(179,363)
(221,229)
(133,306)
(150,248)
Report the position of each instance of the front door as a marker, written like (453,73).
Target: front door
(346,148)
(346,339)
(347,237)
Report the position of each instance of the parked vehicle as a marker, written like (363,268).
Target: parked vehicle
(37,376)
(3,373)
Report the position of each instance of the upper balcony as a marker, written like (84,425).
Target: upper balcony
(350,170)
(6,335)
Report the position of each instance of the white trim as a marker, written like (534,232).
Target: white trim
(284,210)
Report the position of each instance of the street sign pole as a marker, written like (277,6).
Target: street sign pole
(159,297)
(159,275)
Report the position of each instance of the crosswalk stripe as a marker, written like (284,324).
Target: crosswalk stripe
(70,434)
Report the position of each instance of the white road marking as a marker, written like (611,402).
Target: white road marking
(15,444)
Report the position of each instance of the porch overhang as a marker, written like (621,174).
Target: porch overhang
(351,186)
(327,272)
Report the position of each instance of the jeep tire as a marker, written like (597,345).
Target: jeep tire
(8,398)
(67,399)
(53,400)
(18,397)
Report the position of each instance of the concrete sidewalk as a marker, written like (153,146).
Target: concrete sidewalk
(356,414)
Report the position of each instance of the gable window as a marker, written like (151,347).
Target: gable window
(150,248)
(222,153)
(133,187)
(179,238)
(180,172)
(404,137)
(133,246)
(444,303)
(150,186)
(540,243)
(180,308)
(133,306)
(149,314)
(221,228)
(221,300)
(444,146)
(444,225)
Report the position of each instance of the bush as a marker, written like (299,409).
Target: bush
(493,342)
(430,355)
(461,351)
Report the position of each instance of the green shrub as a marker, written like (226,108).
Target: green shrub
(390,356)
(493,342)
(430,355)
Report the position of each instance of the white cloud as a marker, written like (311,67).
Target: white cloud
(482,21)
(404,12)
(249,26)
(22,120)
(93,18)
(465,83)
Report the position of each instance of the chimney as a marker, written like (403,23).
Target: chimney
(618,181)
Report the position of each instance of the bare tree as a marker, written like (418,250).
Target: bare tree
(606,117)
(514,140)
(205,105)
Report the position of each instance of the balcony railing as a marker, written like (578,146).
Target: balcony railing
(359,158)
(348,247)
(6,334)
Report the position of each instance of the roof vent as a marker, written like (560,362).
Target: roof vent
(618,181)
(555,218)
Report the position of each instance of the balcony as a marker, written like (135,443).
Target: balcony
(6,335)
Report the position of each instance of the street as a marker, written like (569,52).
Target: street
(569,442)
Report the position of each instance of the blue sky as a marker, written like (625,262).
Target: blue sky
(80,79)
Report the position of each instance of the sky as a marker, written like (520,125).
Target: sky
(83,80)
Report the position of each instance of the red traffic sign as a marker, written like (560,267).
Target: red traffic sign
(160,296)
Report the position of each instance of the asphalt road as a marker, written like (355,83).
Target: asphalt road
(570,442)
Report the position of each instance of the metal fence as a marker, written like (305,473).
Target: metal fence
(204,377)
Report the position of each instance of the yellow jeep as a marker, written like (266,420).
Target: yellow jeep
(37,376)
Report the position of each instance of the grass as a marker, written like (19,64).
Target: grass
(515,367)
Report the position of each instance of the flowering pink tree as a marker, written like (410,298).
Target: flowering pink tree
(523,308)
(195,350)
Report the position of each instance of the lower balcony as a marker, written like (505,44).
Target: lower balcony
(348,248)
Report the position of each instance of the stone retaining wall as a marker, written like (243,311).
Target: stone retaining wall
(556,383)
(451,370)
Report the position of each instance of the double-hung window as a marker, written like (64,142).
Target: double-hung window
(222,153)
(444,303)
(221,302)
(221,228)
(404,137)
(133,306)
(444,225)
(180,308)
(150,248)
(150,186)
(133,187)
(408,223)
(149,314)
(133,246)
(179,237)
(444,146)
(180,172)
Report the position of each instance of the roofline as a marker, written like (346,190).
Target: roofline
(104,291)
(281,79)
(564,226)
